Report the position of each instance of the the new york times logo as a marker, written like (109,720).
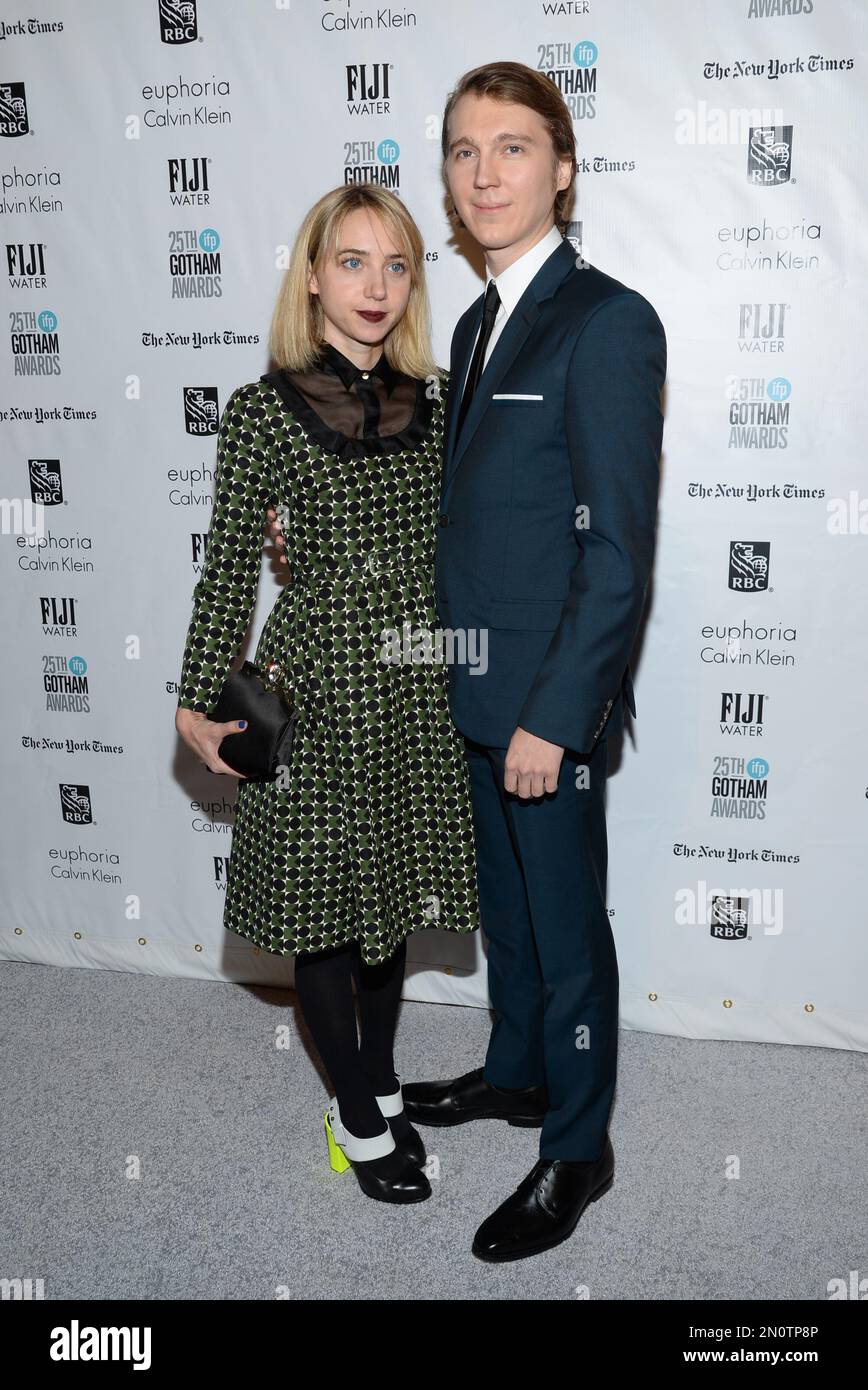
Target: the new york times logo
(178,21)
(769,154)
(46,484)
(200,410)
(368,89)
(749,566)
(13,109)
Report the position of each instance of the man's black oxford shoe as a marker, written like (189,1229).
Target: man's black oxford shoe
(545,1207)
(471,1097)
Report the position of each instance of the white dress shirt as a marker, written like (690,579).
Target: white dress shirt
(511,285)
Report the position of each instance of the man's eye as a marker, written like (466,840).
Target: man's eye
(461,152)
(515,147)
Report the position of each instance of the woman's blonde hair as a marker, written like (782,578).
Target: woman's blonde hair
(298,320)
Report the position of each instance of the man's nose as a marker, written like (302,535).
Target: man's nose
(485,171)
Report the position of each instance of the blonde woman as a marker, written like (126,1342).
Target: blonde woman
(368,835)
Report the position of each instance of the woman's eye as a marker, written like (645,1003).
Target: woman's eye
(347,259)
(399,265)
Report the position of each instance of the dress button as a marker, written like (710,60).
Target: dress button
(365,375)
(444,519)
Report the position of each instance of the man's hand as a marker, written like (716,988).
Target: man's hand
(275,531)
(532,764)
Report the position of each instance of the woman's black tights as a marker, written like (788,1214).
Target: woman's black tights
(323,983)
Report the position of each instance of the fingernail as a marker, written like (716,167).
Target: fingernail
(242,723)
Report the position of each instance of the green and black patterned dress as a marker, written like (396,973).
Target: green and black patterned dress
(371,838)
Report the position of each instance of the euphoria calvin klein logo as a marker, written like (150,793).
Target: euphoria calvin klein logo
(368,89)
(728,919)
(188,181)
(749,566)
(75,804)
(200,409)
(574,73)
(178,21)
(46,484)
(13,109)
(769,154)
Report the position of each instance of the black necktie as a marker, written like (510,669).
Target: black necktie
(489,312)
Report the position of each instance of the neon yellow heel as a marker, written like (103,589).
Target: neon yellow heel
(337,1158)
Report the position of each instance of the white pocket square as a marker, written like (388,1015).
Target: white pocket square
(516,397)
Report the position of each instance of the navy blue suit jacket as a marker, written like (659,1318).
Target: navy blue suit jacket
(561,601)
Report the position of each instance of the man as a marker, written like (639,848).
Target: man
(546,536)
(548,512)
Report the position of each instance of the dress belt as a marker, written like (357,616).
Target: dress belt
(359,569)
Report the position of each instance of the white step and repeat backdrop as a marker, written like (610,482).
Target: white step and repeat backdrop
(156,159)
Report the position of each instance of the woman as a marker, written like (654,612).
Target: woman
(368,835)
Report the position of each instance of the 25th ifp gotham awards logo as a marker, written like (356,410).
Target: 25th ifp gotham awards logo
(769,155)
(178,21)
(13,110)
(572,68)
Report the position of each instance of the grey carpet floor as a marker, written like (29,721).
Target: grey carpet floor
(163,1139)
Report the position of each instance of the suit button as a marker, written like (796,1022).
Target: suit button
(444,519)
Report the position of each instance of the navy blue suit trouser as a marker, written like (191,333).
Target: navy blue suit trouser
(552,965)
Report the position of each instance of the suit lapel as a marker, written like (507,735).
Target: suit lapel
(504,353)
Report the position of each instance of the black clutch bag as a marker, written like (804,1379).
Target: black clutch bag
(258,696)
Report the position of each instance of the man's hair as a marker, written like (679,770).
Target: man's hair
(515,82)
(297,322)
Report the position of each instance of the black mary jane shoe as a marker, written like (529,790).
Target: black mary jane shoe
(383,1171)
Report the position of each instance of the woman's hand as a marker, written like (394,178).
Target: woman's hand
(204,736)
(275,531)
